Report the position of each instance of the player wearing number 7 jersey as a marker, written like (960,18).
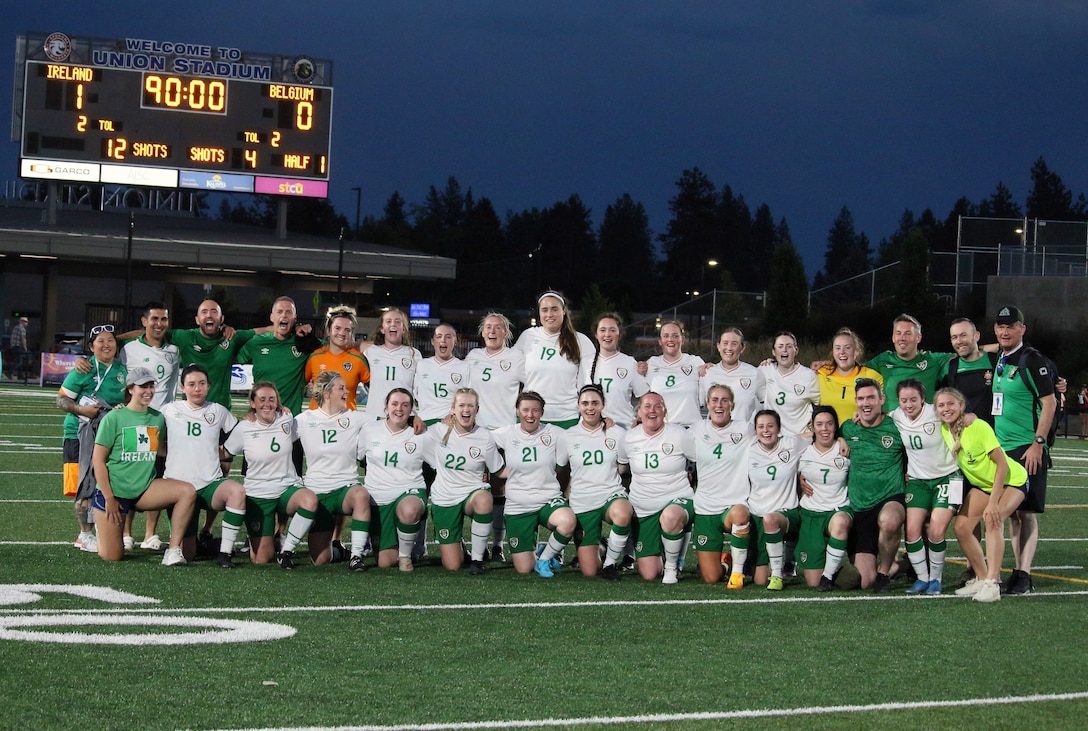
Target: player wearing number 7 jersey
(616,372)
(439,376)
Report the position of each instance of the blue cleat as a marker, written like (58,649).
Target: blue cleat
(934,587)
(919,587)
(544,568)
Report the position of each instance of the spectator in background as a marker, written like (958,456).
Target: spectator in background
(19,351)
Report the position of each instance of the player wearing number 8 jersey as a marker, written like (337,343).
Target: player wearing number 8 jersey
(675,375)
(330,440)
(661,493)
(439,376)
(773,463)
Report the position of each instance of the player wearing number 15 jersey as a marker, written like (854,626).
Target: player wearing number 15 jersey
(439,376)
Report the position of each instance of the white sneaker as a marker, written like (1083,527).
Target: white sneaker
(404,563)
(173,557)
(129,543)
(154,543)
(671,576)
(970,588)
(989,592)
(88,542)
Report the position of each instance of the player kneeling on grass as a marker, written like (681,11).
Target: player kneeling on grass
(464,455)
(598,458)
(394,456)
(330,441)
(266,437)
(825,511)
(998,486)
(533,496)
(773,463)
(124,467)
(721,502)
(194,429)
(661,493)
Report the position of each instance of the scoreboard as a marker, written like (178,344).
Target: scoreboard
(87,122)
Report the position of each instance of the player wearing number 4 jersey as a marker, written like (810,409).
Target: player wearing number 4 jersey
(463,455)
(330,440)
(195,427)
(661,493)
(439,376)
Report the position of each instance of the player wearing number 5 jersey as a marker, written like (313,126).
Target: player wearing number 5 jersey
(392,362)
(496,372)
(792,389)
(616,372)
(195,427)
(597,459)
(266,439)
(557,360)
(533,451)
(463,455)
(675,375)
(330,439)
(661,493)
(773,463)
(439,376)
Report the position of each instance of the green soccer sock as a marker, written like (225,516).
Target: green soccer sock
(936,560)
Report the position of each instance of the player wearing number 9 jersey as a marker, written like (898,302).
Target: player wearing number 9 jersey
(391,361)
(439,376)
(773,462)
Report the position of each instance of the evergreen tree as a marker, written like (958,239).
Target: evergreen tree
(787,291)
(1049,199)
(1000,204)
(626,263)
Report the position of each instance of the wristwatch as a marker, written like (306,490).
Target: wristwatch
(1040,440)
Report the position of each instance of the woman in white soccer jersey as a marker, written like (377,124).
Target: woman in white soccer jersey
(557,360)
(597,459)
(721,502)
(616,372)
(266,439)
(745,380)
(124,468)
(463,454)
(661,494)
(439,376)
(773,462)
(675,375)
(792,389)
(330,441)
(392,362)
(194,429)
(930,467)
(533,498)
(825,516)
(394,456)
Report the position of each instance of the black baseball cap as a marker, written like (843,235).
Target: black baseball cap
(1009,315)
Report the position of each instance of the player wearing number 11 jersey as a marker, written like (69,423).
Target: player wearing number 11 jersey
(392,362)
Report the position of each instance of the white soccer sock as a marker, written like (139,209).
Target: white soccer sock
(616,544)
(774,553)
(553,547)
(916,552)
(936,564)
(405,542)
(832,561)
(480,532)
(672,547)
(230,532)
(297,530)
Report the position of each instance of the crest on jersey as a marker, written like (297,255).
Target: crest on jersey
(686,370)
(840,463)
(295,352)
(444,533)
(929,428)
(346,366)
(209,417)
(505,365)
(410,447)
(621,373)
(923,364)
(225,345)
(784,455)
(610,444)
(799,390)
(456,378)
(702,540)
(406,362)
(804,557)
(170,357)
(513,542)
(746,383)
(475,452)
(736,437)
(887,442)
(546,440)
(343,422)
(666,449)
(286,426)
(988,376)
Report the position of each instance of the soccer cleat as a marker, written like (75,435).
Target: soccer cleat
(404,563)
(882,584)
(789,570)
(611,572)
(88,542)
(671,576)
(355,563)
(475,568)
(368,547)
(989,591)
(969,589)
(544,568)
(628,563)
(286,560)
(1023,584)
(736,581)
(967,575)
(934,587)
(497,554)
(128,542)
(338,552)
(774,583)
(918,587)
(206,545)
(727,561)
(222,560)
(173,557)
(154,543)
(556,564)
(826,584)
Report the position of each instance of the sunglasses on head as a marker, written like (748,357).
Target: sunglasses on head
(101,329)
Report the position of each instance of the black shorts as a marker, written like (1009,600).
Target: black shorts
(865,533)
(1035,499)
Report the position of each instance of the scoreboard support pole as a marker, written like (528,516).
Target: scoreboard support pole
(281,219)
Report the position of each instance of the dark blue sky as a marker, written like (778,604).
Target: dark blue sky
(879,106)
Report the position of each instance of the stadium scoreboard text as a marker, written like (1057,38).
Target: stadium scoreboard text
(151,125)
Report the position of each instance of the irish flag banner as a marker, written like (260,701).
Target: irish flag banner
(141,439)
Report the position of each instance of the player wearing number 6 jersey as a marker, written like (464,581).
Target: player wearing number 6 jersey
(194,429)
(439,376)
(661,493)
(392,362)
(721,502)
(330,440)
(825,506)
(597,459)
(463,455)
(773,463)
(533,451)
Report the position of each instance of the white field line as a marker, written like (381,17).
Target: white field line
(701,716)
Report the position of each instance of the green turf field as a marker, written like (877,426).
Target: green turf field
(259,647)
